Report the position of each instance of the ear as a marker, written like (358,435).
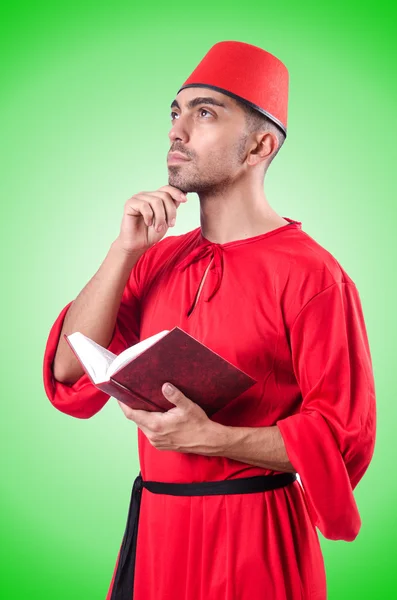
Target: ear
(264,145)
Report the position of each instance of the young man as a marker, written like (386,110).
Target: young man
(221,513)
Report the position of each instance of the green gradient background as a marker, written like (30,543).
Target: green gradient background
(84,108)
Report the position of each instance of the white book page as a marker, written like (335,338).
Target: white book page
(95,358)
(127,355)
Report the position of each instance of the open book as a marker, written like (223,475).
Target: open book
(137,374)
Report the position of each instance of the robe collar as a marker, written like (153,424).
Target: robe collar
(215,251)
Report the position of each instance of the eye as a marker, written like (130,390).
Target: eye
(205,110)
(200,110)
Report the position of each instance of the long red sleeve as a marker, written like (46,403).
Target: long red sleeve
(83,399)
(330,442)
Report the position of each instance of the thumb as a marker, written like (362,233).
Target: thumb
(173,394)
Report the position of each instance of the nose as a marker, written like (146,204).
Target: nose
(178,131)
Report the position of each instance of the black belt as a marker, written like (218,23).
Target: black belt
(123,584)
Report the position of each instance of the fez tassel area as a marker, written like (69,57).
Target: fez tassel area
(187,428)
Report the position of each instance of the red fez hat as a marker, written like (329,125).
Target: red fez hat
(247,73)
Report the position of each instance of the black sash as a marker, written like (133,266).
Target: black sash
(123,584)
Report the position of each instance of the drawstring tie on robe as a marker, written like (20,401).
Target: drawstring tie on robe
(216,253)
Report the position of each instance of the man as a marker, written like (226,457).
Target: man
(221,513)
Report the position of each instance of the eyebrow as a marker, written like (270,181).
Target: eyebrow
(200,100)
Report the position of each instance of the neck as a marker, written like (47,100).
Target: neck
(235,212)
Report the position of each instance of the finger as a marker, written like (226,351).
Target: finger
(159,211)
(127,410)
(175,192)
(143,418)
(138,206)
(170,205)
(174,395)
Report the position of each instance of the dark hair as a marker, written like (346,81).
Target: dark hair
(256,121)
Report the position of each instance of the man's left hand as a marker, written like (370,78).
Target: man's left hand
(184,428)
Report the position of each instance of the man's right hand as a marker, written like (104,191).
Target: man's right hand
(147,217)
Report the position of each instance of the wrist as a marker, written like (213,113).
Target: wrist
(128,256)
(217,439)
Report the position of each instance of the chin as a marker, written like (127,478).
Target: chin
(185,184)
(176,181)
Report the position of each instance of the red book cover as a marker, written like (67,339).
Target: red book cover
(200,373)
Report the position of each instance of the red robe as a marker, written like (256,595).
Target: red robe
(280,307)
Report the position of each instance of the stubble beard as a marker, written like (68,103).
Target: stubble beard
(212,179)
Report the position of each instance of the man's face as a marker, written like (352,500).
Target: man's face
(211,136)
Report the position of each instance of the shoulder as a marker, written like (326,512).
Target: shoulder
(312,269)
(310,259)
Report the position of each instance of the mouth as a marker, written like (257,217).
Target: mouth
(177,157)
